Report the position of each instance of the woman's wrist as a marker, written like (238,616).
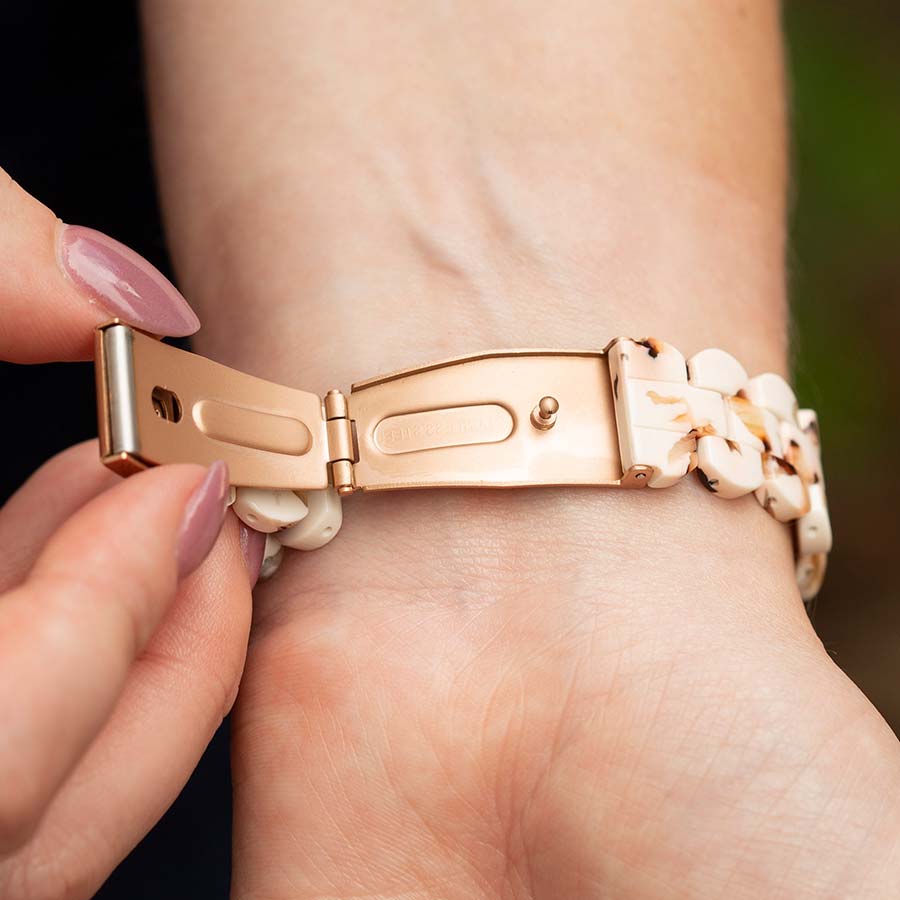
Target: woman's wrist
(311,315)
(285,297)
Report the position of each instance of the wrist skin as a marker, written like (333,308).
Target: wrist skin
(350,191)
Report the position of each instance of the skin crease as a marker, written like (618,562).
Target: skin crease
(532,694)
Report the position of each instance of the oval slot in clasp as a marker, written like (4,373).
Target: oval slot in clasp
(433,429)
(252,428)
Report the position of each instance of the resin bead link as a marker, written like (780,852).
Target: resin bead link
(742,435)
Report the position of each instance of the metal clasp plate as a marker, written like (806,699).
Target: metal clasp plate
(158,404)
(475,421)
(505,419)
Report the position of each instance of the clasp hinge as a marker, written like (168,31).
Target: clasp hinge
(343,451)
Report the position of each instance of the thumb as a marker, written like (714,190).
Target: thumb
(59,281)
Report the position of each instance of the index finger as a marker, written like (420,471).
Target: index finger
(57,282)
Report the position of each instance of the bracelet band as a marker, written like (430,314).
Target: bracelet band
(635,414)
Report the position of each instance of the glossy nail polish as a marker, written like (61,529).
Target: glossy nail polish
(202,520)
(253,546)
(123,283)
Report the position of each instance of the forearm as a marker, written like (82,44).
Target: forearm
(501,175)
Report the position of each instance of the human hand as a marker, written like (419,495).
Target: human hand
(120,648)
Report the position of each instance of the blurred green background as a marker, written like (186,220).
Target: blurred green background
(844,265)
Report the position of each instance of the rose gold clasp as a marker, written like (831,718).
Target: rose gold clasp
(158,404)
(506,419)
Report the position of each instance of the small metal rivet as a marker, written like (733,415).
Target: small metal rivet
(543,416)
(636,477)
(548,406)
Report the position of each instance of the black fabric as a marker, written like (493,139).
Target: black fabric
(73,133)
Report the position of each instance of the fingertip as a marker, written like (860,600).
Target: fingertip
(202,519)
(122,282)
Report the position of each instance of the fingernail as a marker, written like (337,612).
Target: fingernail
(203,517)
(253,546)
(123,283)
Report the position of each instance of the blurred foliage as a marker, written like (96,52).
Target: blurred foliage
(844,261)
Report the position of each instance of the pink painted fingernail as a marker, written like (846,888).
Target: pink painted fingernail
(203,517)
(253,546)
(123,283)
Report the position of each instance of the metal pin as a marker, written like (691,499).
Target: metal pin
(543,416)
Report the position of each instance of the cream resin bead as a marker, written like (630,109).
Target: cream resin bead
(747,424)
(671,455)
(746,434)
(661,416)
(650,385)
(813,529)
(650,359)
(729,469)
(268,510)
(772,433)
(716,370)
(810,574)
(322,522)
(272,557)
(675,407)
(782,493)
(772,392)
